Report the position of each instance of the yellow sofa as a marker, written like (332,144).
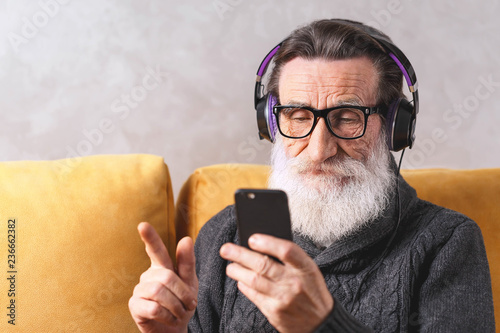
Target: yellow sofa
(77,252)
(475,193)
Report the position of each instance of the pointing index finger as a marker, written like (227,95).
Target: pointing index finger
(155,248)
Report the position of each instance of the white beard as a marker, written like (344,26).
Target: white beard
(340,197)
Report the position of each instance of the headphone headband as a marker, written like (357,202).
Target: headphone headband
(260,73)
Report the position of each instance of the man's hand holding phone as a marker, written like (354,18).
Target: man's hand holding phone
(292,293)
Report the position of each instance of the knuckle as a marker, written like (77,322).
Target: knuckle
(154,310)
(144,276)
(168,277)
(137,289)
(148,275)
(188,295)
(287,301)
(178,310)
(297,286)
(132,304)
(264,264)
(155,289)
(287,252)
(254,280)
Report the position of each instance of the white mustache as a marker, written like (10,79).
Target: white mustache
(344,166)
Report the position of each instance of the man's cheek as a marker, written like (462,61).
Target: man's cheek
(293,147)
(357,150)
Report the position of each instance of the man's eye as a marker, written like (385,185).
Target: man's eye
(297,114)
(348,116)
(299,117)
(347,120)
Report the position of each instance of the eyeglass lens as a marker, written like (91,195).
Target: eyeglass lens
(345,122)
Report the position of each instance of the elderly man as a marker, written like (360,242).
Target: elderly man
(368,255)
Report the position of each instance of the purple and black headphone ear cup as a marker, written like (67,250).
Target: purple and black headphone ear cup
(400,124)
(271,118)
(261,118)
(266,121)
(390,118)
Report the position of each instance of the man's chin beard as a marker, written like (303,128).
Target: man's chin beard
(317,182)
(336,198)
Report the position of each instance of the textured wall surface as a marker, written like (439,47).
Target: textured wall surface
(176,78)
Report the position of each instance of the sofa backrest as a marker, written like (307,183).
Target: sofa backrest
(76,252)
(475,193)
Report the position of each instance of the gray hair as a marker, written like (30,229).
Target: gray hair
(336,40)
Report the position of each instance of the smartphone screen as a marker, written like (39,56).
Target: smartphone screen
(262,211)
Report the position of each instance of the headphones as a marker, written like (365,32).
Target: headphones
(401,114)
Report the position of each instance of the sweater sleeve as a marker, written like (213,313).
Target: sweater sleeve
(210,269)
(455,293)
(340,321)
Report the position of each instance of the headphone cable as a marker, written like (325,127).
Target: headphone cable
(384,253)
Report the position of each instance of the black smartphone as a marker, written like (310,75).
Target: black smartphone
(262,211)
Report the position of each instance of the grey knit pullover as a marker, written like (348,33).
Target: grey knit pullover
(433,278)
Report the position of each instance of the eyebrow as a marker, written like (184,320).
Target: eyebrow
(350,101)
(295,103)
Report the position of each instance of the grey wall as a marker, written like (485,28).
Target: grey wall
(176,78)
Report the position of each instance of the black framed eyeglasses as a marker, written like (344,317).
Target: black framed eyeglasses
(345,122)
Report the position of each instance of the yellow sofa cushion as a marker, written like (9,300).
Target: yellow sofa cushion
(77,251)
(474,193)
(209,189)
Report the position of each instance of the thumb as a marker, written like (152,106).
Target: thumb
(186,262)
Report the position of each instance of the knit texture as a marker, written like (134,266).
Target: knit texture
(434,276)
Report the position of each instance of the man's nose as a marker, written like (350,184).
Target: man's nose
(322,144)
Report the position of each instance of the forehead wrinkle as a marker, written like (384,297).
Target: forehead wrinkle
(319,86)
(351,99)
(308,79)
(315,84)
(339,96)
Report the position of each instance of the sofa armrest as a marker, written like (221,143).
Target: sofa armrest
(77,253)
